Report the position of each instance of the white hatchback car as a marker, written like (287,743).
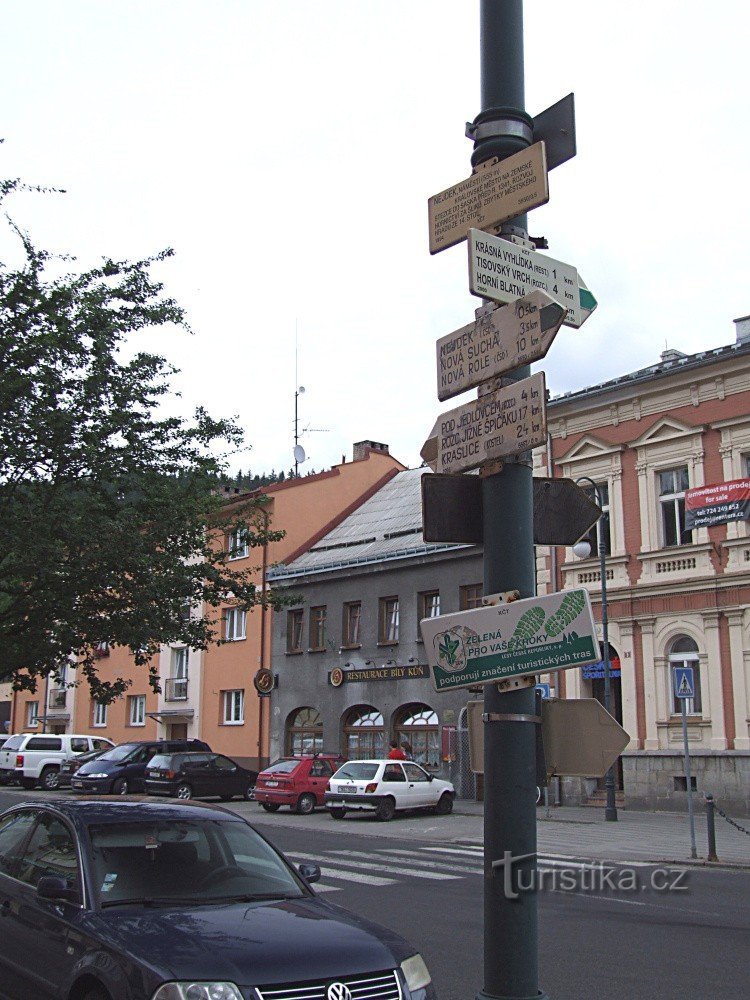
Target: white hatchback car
(385,786)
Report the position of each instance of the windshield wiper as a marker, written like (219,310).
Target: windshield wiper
(251,897)
(141,901)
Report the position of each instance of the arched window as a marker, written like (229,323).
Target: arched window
(417,726)
(364,733)
(304,732)
(684,653)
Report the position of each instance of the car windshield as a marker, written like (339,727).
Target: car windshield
(164,760)
(283,766)
(200,861)
(357,770)
(119,753)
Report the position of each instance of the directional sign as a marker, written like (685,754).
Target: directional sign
(504,422)
(503,271)
(500,340)
(490,196)
(684,683)
(580,738)
(452,510)
(493,643)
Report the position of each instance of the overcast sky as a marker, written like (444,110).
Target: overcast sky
(286,150)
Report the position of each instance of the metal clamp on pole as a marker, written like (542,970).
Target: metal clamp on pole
(511,717)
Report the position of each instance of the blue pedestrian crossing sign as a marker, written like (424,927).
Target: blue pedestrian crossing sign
(684,684)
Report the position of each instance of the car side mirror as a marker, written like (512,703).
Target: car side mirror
(310,872)
(54,887)
(430,777)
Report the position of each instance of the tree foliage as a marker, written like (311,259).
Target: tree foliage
(109,513)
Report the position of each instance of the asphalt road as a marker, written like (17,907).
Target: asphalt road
(613,937)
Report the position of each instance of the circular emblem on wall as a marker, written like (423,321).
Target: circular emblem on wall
(337,677)
(263,681)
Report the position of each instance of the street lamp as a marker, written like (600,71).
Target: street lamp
(582,550)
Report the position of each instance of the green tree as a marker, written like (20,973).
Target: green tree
(110,519)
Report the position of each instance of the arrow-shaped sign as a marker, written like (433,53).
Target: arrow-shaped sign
(500,423)
(500,340)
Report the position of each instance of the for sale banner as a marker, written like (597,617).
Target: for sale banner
(709,505)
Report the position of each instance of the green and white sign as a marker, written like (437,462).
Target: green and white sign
(491,644)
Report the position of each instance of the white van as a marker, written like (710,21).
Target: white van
(32,758)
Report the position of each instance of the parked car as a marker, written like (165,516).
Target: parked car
(385,787)
(71,764)
(123,768)
(137,900)
(32,759)
(192,775)
(298,782)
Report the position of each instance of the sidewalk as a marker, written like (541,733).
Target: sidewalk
(582,831)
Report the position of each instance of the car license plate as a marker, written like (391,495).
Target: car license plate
(272,784)
(76,782)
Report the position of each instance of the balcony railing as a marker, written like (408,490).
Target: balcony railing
(176,689)
(57,697)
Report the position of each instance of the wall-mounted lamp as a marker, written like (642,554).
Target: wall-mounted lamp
(347,664)
(369,663)
(412,659)
(389,662)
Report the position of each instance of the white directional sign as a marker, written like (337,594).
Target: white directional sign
(500,340)
(501,423)
(503,271)
(490,196)
(493,643)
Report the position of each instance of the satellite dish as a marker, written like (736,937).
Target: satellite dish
(299,453)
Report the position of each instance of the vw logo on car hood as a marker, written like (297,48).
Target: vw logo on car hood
(338,991)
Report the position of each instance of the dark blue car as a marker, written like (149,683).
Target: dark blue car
(116,899)
(123,768)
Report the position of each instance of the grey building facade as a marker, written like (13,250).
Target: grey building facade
(350,667)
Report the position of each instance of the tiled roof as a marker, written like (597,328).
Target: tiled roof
(387,526)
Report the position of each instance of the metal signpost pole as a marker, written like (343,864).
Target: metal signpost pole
(683,681)
(510,924)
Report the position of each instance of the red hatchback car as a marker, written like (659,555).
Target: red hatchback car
(297,782)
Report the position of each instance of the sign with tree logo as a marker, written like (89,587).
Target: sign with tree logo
(532,636)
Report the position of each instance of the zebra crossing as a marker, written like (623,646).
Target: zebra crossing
(431,862)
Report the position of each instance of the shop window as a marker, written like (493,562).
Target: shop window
(304,732)
(294,622)
(470,596)
(388,627)
(364,732)
(317,629)
(684,653)
(351,623)
(672,485)
(417,729)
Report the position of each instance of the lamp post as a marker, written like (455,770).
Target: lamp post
(582,549)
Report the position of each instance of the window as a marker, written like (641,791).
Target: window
(137,709)
(388,630)
(236,622)
(176,688)
(429,605)
(78,744)
(418,731)
(318,628)
(237,544)
(100,714)
(49,743)
(304,732)
(234,707)
(470,596)
(352,619)
(32,713)
(294,621)
(684,653)
(13,832)
(672,486)
(50,851)
(600,531)
(364,731)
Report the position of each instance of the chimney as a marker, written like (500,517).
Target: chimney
(742,328)
(670,355)
(361,449)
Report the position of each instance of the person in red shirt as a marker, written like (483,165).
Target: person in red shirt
(396,753)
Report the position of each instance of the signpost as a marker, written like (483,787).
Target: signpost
(684,688)
(501,423)
(504,271)
(490,196)
(500,340)
(495,643)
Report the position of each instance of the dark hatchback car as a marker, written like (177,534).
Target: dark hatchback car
(71,764)
(137,900)
(123,768)
(192,775)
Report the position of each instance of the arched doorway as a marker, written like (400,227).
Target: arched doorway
(364,733)
(304,732)
(418,726)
